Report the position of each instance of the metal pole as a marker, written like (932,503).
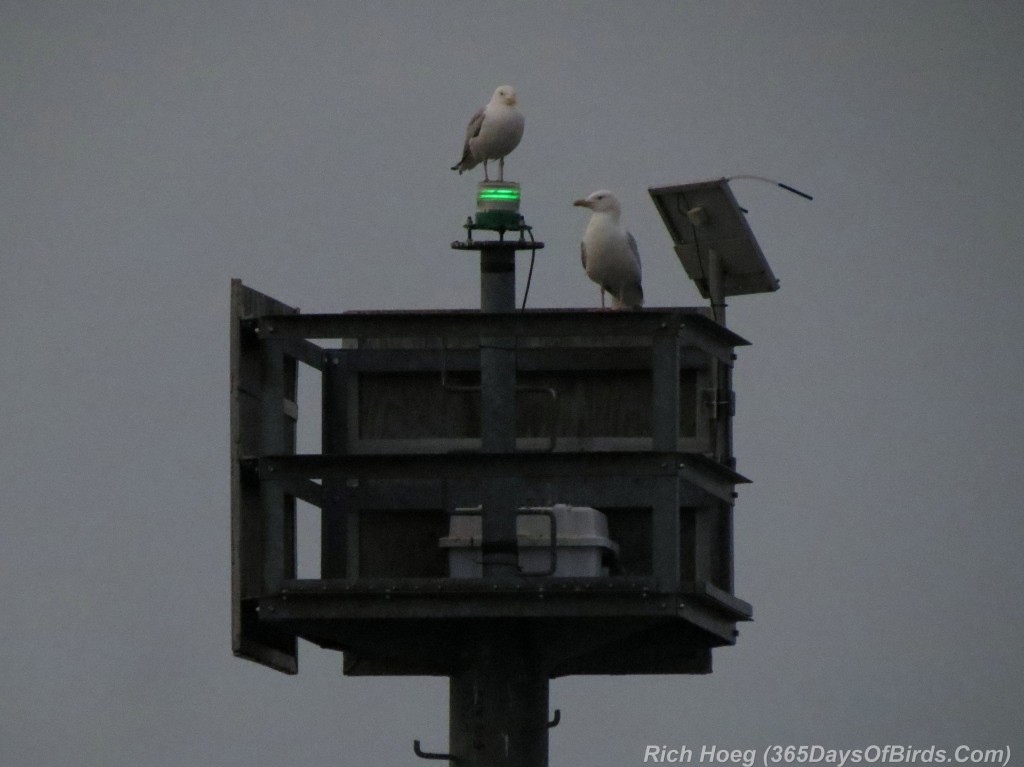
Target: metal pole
(498,277)
(497,410)
(715,290)
(498,695)
(498,705)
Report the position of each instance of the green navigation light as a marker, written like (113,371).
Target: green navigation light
(499,194)
(497,205)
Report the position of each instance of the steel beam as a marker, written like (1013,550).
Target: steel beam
(539,323)
(697,470)
(273,440)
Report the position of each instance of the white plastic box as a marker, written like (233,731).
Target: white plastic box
(583,547)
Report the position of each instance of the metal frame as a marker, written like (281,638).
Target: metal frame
(263,415)
(587,621)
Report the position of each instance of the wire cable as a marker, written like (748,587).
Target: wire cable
(779,184)
(529,276)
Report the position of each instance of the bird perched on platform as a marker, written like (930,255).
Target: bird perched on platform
(493,132)
(609,253)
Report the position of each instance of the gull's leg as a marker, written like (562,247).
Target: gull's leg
(501,169)
(486,178)
(602,298)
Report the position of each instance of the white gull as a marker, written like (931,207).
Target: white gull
(494,131)
(609,253)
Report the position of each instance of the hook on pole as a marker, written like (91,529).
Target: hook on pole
(555,719)
(427,755)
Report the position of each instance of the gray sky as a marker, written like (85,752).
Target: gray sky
(152,151)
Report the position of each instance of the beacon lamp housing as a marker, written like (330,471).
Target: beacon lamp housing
(497,205)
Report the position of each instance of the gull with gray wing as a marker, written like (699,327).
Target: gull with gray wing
(609,253)
(493,132)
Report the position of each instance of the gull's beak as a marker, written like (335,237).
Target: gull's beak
(511,100)
(581,204)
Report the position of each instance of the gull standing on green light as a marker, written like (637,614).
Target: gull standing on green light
(609,253)
(493,133)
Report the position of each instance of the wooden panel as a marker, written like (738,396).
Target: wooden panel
(693,547)
(586,404)
(402,544)
(689,404)
(613,403)
(720,545)
(631,529)
(665,537)
(665,404)
(403,405)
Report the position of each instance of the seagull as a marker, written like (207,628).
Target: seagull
(494,131)
(609,253)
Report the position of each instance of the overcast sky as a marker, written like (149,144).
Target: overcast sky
(151,151)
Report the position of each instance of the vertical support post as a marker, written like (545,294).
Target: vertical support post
(665,391)
(704,542)
(724,440)
(497,411)
(498,704)
(335,561)
(273,440)
(499,692)
(497,355)
(728,574)
(665,529)
(720,374)
(665,431)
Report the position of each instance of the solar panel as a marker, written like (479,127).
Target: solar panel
(703,217)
